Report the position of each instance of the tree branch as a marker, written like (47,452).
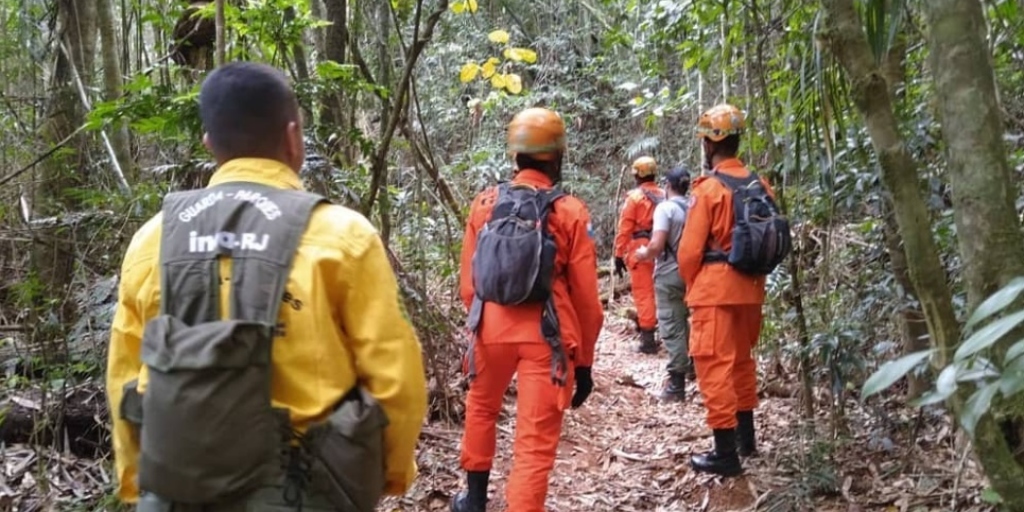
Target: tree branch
(380,159)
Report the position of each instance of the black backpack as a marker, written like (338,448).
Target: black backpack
(514,261)
(760,237)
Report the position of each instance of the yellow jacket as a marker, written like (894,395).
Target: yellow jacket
(344,323)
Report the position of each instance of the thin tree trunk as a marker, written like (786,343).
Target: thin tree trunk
(793,264)
(335,49)
(52,259)
(913,328)
(113,86)
(421,36)
(220,43)
(984,191)
(845,35)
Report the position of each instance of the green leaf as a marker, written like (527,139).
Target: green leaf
(989,495)
(988,335)
(976,406)
(945,384)
(1011,383)
(890,372)
(929,398)
(996,302)
(1015,351)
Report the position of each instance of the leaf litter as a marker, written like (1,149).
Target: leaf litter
(626,451)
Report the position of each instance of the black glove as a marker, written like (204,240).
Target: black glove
(620,267)
(584,385)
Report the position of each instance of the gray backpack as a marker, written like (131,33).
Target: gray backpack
(514,262)
(209,434)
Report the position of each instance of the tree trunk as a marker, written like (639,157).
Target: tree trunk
(988,230)
(113,86)
(219,41)
(845,35)
(913,328)
(335,48)
(793,263)
(52,260)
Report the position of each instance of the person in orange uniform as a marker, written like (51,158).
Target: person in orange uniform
(725,304)
(509,340)
(636,221)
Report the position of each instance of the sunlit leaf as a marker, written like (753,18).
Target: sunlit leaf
(520,55)
(989,335)
(513,83)
(498,36)
(469,71)
(945,384)
(472,5)
(997,301)
(890,372)
(489,67)
(498,81)
(976,406)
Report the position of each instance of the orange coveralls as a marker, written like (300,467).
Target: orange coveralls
(637,216)
(725,304)
(510,341)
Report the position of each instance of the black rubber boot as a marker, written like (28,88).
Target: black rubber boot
(675,390)
(647,344)
(746,439)
(474,498)
(723,460)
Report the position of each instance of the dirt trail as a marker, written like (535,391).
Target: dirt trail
(625,451)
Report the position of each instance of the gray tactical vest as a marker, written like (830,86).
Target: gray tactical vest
(211,441)
(208,431)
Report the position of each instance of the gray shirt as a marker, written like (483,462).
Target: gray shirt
(669,216)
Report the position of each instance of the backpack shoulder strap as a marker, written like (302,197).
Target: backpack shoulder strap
(737,184)
(546,202)
(651,197)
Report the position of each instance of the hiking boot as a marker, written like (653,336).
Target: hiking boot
(746,440)
(647,344)
(675,390)
(474,498)
(723,460)
(691,373)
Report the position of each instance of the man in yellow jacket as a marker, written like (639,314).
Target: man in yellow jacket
(340,326)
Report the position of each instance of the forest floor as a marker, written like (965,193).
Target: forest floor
(622,451)
(626,451)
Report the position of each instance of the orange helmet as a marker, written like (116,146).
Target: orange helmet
(721,121)
(644,167)
(537,132)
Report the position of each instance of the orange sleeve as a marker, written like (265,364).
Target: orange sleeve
(696,231)
(627,222)
(582,277)
(466,261)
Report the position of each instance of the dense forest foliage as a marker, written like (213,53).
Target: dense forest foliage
(892,130)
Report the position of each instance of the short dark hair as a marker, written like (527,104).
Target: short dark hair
(728,147)
(245,107)
(678,179)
